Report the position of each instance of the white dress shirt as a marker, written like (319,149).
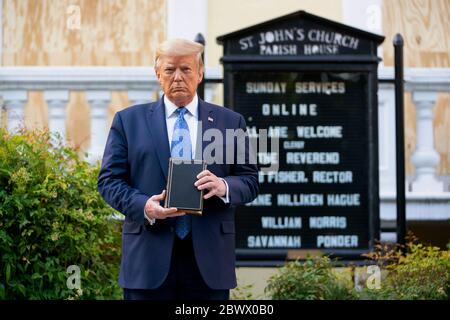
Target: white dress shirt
(191,117)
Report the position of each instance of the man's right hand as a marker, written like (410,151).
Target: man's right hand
(153,210)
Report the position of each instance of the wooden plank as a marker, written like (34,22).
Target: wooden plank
(425,26)
(109,33)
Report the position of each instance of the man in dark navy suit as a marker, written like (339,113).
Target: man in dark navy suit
(167,254)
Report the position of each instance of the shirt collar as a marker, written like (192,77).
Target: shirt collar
(191,107)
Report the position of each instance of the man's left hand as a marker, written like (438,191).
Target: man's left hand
(209,181)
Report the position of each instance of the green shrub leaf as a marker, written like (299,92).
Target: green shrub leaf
(51,217)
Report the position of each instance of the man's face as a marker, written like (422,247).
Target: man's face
(179,77)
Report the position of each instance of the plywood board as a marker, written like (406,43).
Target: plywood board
(80,33)
(425,26)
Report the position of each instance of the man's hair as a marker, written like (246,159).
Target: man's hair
(179,47)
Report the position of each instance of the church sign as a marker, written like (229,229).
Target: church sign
(312,84)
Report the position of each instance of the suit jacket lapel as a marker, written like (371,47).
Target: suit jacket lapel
(158,129)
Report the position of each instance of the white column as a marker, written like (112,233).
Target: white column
(139,96)
(386,141)
(186,18)
(209,92)
(99,102)
(14,102)
(425,157)
(366,15)
(57,101)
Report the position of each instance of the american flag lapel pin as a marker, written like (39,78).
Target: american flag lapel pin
(210,119)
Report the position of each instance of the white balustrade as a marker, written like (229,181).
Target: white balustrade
(139,96)
(386,142)
(425,157)
(142,86)
(14,103)
(98,101)
(425,84)
(57,101)
(426,200)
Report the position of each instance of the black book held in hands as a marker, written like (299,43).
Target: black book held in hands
(181,192)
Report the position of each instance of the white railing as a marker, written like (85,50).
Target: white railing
(97,82)
(140,83)
(427,198)
(424,86)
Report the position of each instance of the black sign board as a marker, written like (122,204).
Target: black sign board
(311,83)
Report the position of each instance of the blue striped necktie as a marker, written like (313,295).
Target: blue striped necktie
(181,147)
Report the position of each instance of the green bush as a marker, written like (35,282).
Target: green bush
(309,280)
(421,272)
(51,217)
(413,272)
